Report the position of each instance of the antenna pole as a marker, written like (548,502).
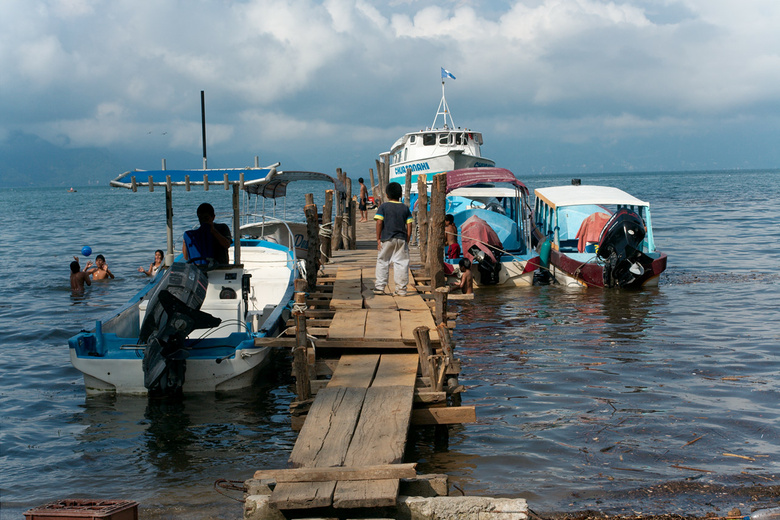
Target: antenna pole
(203,125)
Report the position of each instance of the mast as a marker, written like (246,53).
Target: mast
(443,110)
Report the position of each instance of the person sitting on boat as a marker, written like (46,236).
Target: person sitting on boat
(100,270)
(466,282)
(210,242)
(154,266)
(451,236)
(78,277)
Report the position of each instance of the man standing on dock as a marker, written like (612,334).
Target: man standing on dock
(393,229)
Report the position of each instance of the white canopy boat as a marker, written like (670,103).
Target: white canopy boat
(193,328)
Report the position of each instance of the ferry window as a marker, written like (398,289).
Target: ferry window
(429,139)
(478,139)
(412,139)
(406,152)
(458,138)
(444,138)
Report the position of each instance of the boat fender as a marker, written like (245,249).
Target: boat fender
(227,293)
(544,254)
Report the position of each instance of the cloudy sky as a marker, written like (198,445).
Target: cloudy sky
(554,85)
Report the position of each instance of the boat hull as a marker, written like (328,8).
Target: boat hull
(573,272)
(433,165)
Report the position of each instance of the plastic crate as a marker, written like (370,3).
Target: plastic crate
(85,509)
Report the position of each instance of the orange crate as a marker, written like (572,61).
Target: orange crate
(85,509)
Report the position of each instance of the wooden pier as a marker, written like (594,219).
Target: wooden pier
(367,367)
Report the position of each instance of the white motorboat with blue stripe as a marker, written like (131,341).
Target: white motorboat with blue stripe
(193,328)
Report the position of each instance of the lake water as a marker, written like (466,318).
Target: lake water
(659,401)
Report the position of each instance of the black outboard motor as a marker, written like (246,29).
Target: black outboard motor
(620,248)
(172,313)
(488,269)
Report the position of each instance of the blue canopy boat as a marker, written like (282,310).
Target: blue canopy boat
(492,213)
(193,327)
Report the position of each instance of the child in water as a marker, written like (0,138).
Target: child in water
(466,283)
(78,277)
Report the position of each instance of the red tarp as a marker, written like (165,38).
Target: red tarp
(590,229)
(476,231)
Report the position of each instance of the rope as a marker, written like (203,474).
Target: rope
(326,232)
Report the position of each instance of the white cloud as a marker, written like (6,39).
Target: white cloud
(352,71)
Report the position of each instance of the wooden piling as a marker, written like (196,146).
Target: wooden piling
(300,354)
(374,190)
(440,307)
(436,231)
(353,224)
(346,223)
(336,242)
(327,218)
(422,217)
(313,238)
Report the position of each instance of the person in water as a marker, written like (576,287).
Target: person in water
(154,266)
(100,270)
(79,278)
(210,242)
(466,282)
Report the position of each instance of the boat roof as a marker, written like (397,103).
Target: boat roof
(277,186)
(477,191)
(476,176)
(267,182)
(571,195)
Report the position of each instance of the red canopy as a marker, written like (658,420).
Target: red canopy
(471,176)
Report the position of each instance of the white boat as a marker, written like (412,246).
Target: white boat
(193,329)
(435,150)
(596,236)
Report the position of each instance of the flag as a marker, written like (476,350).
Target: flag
(446,74)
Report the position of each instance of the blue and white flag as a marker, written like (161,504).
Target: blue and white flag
(446,74)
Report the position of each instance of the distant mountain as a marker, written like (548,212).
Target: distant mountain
(28,160)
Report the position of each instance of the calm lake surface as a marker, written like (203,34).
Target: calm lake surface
(660,401)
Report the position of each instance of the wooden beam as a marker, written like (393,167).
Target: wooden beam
(448,415)
(374,472)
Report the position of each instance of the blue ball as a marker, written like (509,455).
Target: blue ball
(86,250)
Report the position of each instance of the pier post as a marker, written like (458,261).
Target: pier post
(338,220)
(373,187)
(313,239)
(327,218)
(346,223)
(436,231)
(352,223)
(300,352)
(422,218)
(440,308)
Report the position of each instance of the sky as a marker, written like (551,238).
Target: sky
(555,86)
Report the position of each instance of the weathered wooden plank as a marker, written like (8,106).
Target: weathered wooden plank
(380,435)
(329,428)
(348,324)
(383,325)
(355,371)
(342,473)
(293,495)
(444,415)
(347,274)
(378,301)
(396,370)
(412,302)
(410,320)
(337,343)
(363,493)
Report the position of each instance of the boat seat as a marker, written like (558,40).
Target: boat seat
(568,245)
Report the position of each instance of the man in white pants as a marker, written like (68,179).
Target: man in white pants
(393,229)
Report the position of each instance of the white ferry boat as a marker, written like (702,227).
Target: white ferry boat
(435,149)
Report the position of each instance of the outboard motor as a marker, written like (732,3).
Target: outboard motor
(488,269)
(620,248)
(171,315)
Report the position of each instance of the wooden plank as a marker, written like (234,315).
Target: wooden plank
(363,493)
(348,324)
(337,343)
(329,428)
(412,302)
(378,301)
(293,495)
(396,370)
(445,415)
(342,473)
(347,274)
(410,320)
(383,325)
(355,371)
(380,435)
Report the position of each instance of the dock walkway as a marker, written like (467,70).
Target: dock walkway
(349,452)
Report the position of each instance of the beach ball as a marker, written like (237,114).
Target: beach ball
(86,250)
